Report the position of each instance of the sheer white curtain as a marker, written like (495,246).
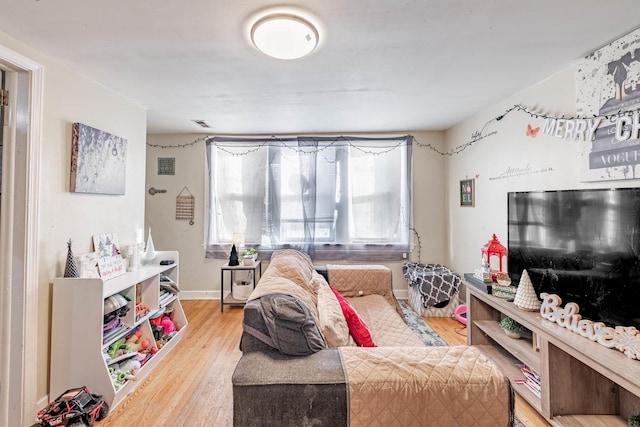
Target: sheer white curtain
(334,198)
(237,193)
(377,195)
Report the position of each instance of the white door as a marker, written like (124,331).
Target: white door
(21,140)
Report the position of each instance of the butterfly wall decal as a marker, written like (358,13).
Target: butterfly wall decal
(531,131)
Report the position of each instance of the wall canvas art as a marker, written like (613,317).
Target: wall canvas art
(608,81)
(98,161)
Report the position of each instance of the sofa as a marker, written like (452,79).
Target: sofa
(306,360)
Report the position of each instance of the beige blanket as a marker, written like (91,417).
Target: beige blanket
(360,280)
(386,327)
(425,386)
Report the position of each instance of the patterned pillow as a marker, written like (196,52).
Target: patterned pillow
(357,328)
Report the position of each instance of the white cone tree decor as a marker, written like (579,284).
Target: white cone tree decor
(150,250)
(526,297)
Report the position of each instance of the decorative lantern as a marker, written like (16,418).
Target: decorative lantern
(495,256)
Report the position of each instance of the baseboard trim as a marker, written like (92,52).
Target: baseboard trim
(185,295)
(43,401)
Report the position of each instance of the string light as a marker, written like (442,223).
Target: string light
(188,144)
(476,137)
(251,148)
(419,243)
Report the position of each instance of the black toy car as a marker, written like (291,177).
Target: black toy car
(74,408)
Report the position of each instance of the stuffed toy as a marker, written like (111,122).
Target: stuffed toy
(165,321)
(168,325)
(133,342)
(132,366)
(117,348)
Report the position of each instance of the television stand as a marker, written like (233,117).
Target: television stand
(582,383)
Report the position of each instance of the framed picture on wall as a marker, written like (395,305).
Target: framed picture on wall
(467,192)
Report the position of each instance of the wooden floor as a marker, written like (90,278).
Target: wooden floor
(192,385)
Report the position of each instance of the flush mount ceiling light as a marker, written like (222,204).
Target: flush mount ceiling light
(284,36)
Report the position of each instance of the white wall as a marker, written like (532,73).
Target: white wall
(490,159)
(68,98)
(200,277)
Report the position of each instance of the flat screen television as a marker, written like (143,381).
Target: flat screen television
(583,245)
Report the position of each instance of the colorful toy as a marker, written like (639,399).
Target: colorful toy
(75,406)
(162,341)
(460,314)
(132,366)
(142,310)
(165,321)
(117,348)
(132,343)
(115,306)
(119,377)
(168,325)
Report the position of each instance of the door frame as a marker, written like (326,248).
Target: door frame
(19,243)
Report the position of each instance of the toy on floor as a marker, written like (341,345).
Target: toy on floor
(75,406)
(460,314)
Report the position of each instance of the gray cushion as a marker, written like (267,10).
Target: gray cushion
(291,328)
(271,389)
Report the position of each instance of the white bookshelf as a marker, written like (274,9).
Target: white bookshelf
(77,341)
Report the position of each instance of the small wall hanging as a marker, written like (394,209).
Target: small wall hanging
(185,205)
(467,192)
(166,165)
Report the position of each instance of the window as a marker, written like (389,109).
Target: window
(334,198)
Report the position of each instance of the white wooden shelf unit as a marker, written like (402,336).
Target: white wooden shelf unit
(77,341)
(583,384)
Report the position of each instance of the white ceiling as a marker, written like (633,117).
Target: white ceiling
(382,65)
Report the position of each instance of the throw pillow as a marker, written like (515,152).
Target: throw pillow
(330,318)
(357,328)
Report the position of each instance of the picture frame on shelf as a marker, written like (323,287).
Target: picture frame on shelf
(110,261)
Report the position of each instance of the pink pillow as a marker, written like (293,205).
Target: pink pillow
(357,328)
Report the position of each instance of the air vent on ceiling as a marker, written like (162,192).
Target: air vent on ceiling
(202,123)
